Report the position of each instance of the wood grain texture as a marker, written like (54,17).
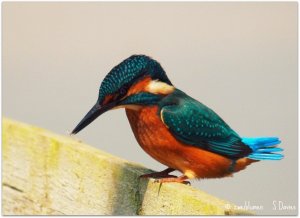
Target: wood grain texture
(48,174)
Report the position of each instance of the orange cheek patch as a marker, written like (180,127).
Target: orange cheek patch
(139,86)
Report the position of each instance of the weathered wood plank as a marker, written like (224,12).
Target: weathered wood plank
(44,173)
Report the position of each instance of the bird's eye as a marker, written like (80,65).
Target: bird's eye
(123,91)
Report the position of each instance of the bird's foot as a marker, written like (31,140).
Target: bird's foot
(162,174)
(181,179)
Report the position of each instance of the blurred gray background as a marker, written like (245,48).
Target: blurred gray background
(240,59)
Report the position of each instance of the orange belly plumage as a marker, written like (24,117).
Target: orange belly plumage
(155,138)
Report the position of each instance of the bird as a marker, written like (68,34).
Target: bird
(173,128)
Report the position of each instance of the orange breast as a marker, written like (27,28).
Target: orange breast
(155,138)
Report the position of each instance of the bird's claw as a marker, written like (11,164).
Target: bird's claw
(165,180)
(164,177)
(157,176)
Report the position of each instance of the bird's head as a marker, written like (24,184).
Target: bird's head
(137,81)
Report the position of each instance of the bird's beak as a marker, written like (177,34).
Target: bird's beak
(95,112)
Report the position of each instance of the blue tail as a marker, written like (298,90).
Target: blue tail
(264,148)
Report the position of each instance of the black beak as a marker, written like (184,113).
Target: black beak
(95,112)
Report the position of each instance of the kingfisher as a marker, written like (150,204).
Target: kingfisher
(174,128)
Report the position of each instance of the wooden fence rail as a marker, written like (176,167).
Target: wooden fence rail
(44,173)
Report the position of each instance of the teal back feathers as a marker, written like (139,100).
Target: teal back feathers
(193,123)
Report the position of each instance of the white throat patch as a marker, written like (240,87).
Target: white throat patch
(158,87)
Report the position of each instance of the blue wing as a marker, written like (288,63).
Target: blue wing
(193,123)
